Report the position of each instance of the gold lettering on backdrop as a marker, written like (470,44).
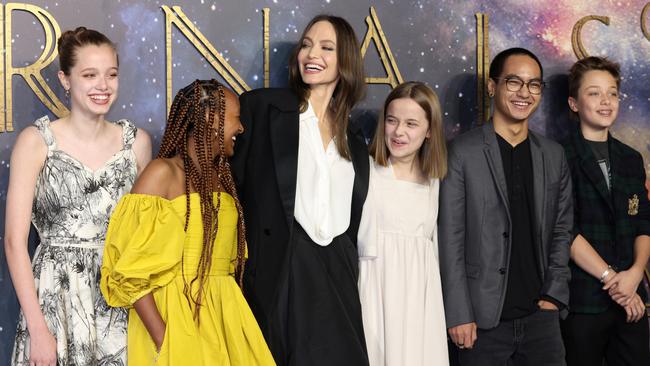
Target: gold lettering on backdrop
(267,54)
(377,36)
(2,75)
(482,67)
(576,35)
(176,16)
(644,21)
(31,73)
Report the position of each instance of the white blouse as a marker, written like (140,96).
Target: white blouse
(323,185)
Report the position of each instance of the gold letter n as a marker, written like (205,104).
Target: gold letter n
(176,16)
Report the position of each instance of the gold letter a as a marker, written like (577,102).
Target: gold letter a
(376,34)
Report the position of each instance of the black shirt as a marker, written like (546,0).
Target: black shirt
(601,153)
(524,281)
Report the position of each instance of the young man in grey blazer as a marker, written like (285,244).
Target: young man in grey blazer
(504,228)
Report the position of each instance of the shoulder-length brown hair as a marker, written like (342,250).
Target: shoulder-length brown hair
(351,85)
(432,155)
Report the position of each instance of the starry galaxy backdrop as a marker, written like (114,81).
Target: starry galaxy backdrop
(431,40)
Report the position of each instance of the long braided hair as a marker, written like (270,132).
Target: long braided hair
(187,117)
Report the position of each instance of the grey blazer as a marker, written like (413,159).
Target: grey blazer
(474,226)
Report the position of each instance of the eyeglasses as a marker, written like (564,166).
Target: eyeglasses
(514,84)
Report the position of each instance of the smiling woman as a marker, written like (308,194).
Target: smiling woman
(94,77)
(317,55)
(302,176)
(72,173)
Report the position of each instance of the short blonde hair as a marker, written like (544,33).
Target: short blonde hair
(432,155)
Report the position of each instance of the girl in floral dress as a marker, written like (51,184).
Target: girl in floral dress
(66,177)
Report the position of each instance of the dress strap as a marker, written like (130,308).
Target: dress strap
(43,126)
(128,133)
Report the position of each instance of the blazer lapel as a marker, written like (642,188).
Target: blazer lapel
(616,154)
(539,199)
(493,157)
(284,127)
(361,165)
(539,180)
(591,169)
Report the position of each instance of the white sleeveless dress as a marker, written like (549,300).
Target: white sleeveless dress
(399,276)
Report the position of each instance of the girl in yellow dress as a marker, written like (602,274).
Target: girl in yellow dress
(175,246)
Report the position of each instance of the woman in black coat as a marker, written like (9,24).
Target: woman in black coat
(302,177)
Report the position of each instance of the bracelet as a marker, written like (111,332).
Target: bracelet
(605,274)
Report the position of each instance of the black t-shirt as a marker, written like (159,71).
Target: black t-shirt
(601,152)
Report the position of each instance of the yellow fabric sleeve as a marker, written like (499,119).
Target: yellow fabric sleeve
(143,249)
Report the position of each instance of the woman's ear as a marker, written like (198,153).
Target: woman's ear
(63,79)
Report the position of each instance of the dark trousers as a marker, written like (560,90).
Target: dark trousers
(323,313)
(592,338)
(534,340)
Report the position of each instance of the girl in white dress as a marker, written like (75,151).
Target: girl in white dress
(399,280)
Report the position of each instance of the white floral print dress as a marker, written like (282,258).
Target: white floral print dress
(72,207)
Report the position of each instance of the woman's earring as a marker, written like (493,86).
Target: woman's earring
(67,94)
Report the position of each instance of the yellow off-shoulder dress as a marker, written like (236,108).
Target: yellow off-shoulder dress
(144,246)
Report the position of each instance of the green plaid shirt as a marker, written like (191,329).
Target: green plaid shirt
(609,220)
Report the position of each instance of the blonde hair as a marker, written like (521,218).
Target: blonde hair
(432,155)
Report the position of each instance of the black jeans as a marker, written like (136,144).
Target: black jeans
(534,340)
(592,338)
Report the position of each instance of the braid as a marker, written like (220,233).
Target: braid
(189,110)
(203,185)
(228,184)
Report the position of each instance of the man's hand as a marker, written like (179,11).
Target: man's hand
(463,335)
(546,305)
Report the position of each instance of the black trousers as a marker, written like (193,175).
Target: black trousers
(318,319)
(534,340)
(592,338)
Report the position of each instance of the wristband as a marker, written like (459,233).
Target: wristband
(605,274)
